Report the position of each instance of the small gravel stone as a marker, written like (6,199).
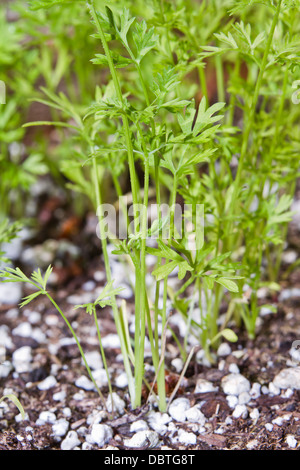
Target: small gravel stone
(139,425)
(240,411)
(84,383)
(118,403)
(235,384)
(59,396)
(60,427)
(203,386)
(244,398)
(47,383)
(24,330)
(71,441)
(46,417)
(224,350)
(269,427)
(254,415)
(233,369)
(21,359)
(178,409)
(194,415)
(94,360)
(255,390)
(288,378)
(100,434)
(10,293)
(186,438)
(158,421)
(121,380)
(291,441)
(232,400)
(177,363)
(147,439)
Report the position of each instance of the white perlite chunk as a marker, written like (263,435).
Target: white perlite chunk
(100,434)
(235,384)
(60,427)
(143,439)
(139,425)
(46,417)
(203,386)
(158,421)
(94,360)
(186,438)
(47,383)
(71,441)
(194,415)
(288,378)
(21,359)
(224,350)
(291,441)
(85,383)
(115,402)
(240,411)
(178,409)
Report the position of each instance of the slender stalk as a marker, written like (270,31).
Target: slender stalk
(78,345)
(249,123)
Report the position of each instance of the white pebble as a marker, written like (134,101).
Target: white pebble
(177,363)
(24,330)
(186,438)
(47,383)
(224,350)
(233,368)
(46,417)
(288,378)
(235,384)
(121,380)
(21,359)
(115,402)
(59,396)
(71,441)
(255,390)
(158,421)
(100,434)
(244,398)
(255,414)
(203,386)
(147,439)
(84,383)
(139,425)
(194,415)
(269,427)
(94,360)
(60,427)
(240,411)
(232,400)
(291,441)
(178,409)
(273,389)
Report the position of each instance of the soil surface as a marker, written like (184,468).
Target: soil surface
(271,418)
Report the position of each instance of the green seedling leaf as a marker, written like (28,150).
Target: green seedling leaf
(230,335)
(15,401)
(228,284)
(165,270)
